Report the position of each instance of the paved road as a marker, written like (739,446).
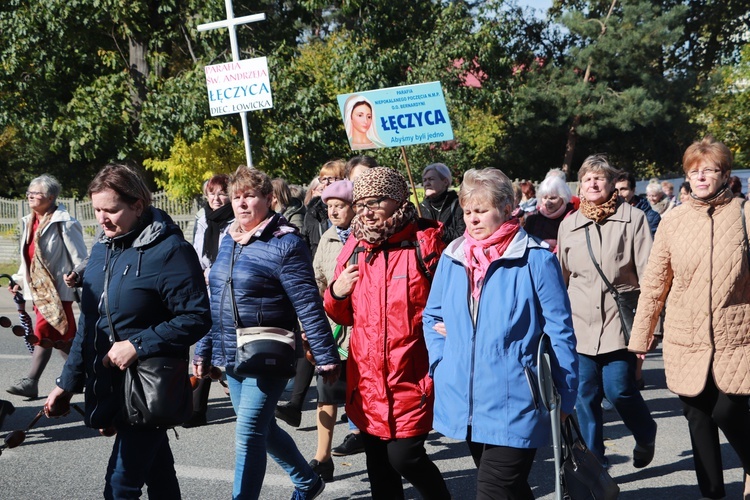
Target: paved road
(63,459)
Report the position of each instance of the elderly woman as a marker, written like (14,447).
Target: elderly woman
(51,247)
(609,233)
(699,263)
(441,203)
(338,198)
(553,206)
(489,354)
(143,296)
(380,288)
(272,285)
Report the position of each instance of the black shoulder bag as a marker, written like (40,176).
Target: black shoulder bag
(261,350)
(626,301)
(156,390)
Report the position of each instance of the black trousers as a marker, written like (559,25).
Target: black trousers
(302,379)
(503,471)
(389,460)
(706,413)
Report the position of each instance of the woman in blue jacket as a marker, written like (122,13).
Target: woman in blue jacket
(273,284)
(143,296)
(496,291)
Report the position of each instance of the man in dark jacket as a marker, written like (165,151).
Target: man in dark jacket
(625,185)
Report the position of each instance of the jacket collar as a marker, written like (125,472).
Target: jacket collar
(624,213)
(516,250)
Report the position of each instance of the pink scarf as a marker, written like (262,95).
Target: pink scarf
(542,208)
(481,253)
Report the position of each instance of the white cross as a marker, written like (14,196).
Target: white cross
(231,23)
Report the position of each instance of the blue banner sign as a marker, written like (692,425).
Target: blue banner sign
(396,116)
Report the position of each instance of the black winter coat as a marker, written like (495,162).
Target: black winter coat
(152,284)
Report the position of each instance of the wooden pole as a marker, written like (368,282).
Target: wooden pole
(411,180)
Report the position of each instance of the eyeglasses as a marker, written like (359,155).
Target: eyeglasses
(35,194)
(328,180)
(370,205)
(706,172)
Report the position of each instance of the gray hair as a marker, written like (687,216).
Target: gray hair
(441,169)
(598,163)
(554,186)
(489,182)
(556,172)
(654,188)
(49,184)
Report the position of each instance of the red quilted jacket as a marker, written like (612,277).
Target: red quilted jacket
(389,393)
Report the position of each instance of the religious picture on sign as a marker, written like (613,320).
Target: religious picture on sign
(395,116)
(359,119)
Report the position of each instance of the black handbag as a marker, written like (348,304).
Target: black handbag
(158,392)
(583,476)
(626,301)
(262,351)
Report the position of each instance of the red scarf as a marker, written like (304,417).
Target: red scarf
(481,253)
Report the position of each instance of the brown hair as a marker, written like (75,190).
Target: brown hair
(220,180)
(708,149)
(123,180)
(282,192)
(250,179)
(333,168)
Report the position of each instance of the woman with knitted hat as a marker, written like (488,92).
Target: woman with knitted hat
(380,288)
(605,237)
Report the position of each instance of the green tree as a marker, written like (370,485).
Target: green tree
(728,108)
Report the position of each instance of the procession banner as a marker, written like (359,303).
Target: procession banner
(396,116)
(238,86)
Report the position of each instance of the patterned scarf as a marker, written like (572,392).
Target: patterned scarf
(42,284)
(376,234)
(481,253)
(343,234)
(598,213)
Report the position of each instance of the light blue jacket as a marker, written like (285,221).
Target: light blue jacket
(484,370)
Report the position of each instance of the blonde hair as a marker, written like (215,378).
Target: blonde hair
(490,183)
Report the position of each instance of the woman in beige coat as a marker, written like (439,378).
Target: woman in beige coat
(620,242)
(700,264)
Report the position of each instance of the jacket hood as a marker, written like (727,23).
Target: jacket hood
(156,225)
(517,248)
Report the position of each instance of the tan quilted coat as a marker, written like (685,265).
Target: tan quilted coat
(324,264)
(699,263)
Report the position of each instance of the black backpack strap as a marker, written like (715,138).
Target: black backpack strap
(744,227)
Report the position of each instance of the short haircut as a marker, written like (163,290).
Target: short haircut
(686,186)
(218,180)
(247,179)
(626,176)
(487,182)
(124,180)
(333,168)
(667,185)
(708,149)
(441,169)
(558,172)
(554,186)
(356,161)
(654,188)
(598,163)
(49,184)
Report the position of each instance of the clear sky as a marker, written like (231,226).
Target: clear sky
(537,4)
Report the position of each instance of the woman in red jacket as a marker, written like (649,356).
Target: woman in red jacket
(380,288)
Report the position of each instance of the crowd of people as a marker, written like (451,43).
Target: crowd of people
(413,317)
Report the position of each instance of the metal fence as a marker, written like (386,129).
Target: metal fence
(11,211)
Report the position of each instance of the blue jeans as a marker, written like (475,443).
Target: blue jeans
(611,375)
(141,456)
(254,401)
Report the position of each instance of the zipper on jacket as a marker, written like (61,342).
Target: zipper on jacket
(710,286)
